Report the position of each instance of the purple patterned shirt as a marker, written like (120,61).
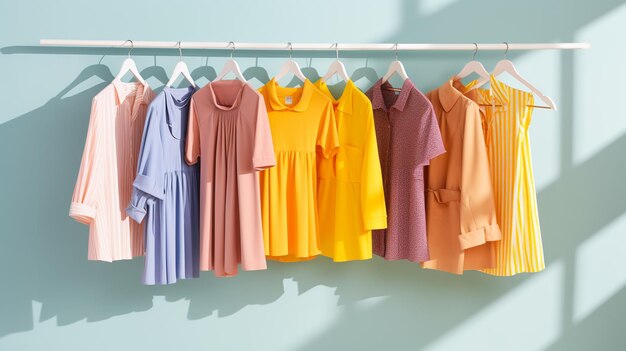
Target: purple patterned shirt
(408,138)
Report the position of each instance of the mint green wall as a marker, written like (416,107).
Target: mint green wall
(52,298)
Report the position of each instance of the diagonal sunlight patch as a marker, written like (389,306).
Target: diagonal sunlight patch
(542,70)
(369,303)
(527,318)
(599,73)
(430,7)
(600,268)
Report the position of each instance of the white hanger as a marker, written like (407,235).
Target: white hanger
(180,68)
(231,66)
(475,67)
(290,66)
(129,66)
(396,67)
(337,68)
(507,66)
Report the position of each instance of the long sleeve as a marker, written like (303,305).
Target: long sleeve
(84,200)
(192,141)
(478,212)
(148,184)
(372,193)
(263,155)
(327,136)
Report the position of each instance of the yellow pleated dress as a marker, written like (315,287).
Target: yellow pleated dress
(302,122)
(507,116)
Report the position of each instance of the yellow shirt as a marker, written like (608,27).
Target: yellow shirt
(351,201)
(303,128)
(506,120)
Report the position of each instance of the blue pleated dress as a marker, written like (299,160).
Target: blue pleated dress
(166,191)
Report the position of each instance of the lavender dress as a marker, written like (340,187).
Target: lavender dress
(166,189)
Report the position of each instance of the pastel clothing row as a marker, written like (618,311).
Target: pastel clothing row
(303,129)
(350,193)
(460,208)
(105,180)
(166,191)
(408,139)
(228,132)
(223,177)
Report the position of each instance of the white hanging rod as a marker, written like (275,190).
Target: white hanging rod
(310,46)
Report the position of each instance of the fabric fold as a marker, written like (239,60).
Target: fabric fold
(105,179)
(229,134)
(460,207)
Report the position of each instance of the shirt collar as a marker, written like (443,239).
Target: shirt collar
(499,91)
(300,106)
(448,95)
(142,94)
(498,94)
(344,103)
(378,102)
(177,98)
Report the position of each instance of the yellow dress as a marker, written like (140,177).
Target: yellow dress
(507,116)
(351,201)
(303,128)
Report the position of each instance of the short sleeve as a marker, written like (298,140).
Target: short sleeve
(327,136)
(83,207)
(192,141)
(263,155)
(149,182)
(429,137)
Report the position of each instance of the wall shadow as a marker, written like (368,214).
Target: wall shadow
(412,306)
(37,235)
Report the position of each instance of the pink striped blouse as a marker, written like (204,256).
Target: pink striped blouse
(107,170)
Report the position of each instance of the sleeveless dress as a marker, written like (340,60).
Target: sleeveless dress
(508,113)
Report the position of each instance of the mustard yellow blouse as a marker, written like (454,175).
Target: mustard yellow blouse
(303,128)
(350,194)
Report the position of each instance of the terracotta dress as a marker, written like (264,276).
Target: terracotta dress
(228,131)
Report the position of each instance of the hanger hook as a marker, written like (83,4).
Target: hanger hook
(234,48)
(290,48)
(396,48)
(507,49)
(337,51)
(132,46)
(180,51)
(475,52)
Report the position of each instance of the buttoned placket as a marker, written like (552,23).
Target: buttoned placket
(388,146)
(388,111)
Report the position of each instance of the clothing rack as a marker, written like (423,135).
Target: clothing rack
(313,46)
